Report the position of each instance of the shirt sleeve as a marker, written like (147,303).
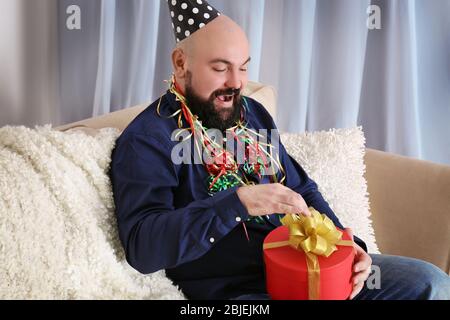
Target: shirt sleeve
(154,234)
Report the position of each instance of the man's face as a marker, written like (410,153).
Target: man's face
(216,71)
(213,90)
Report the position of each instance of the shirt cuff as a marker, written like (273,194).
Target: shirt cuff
(229,208)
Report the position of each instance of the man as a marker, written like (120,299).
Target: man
(205,223)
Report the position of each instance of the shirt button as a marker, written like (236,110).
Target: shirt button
(238,219)
(211,239)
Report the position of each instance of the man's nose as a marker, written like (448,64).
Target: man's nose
(233,80)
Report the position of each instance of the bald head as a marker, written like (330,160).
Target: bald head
(219,33)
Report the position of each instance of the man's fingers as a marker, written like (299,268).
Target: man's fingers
(356,289)
(361,268)
(293,199)
(361,276)
(364,261)
(271,198)
(361,265)
(306,212)
(349,232)
(285,208)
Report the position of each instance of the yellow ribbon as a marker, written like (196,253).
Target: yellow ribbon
(316,235)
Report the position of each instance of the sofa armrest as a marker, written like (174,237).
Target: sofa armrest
(410,205)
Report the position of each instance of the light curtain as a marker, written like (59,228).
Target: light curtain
(329,69)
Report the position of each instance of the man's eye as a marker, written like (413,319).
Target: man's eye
(244,70)
(219,70)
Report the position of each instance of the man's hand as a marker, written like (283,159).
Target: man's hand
(271,198)
(361,267)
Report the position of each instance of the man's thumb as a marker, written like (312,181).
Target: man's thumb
(349,232)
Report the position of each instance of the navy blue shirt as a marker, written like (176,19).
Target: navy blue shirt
(167,220)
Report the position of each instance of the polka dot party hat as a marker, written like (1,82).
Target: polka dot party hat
(189,16)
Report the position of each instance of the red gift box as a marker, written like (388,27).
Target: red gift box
(289,277)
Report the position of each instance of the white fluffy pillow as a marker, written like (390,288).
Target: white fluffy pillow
(58,234)
(335,161)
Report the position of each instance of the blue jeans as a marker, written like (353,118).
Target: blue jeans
(398,278)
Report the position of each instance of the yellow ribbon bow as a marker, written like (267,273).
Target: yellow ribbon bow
(316,235)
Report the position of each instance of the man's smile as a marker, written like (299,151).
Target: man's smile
(225,98)
(224,101)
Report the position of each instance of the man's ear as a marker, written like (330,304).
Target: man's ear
(179,63)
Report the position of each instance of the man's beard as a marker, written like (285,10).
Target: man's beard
(206,110)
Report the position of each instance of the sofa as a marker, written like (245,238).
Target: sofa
(409,198)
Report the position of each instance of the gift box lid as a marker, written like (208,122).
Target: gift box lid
(289,258)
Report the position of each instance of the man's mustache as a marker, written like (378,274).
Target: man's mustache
(228,92)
